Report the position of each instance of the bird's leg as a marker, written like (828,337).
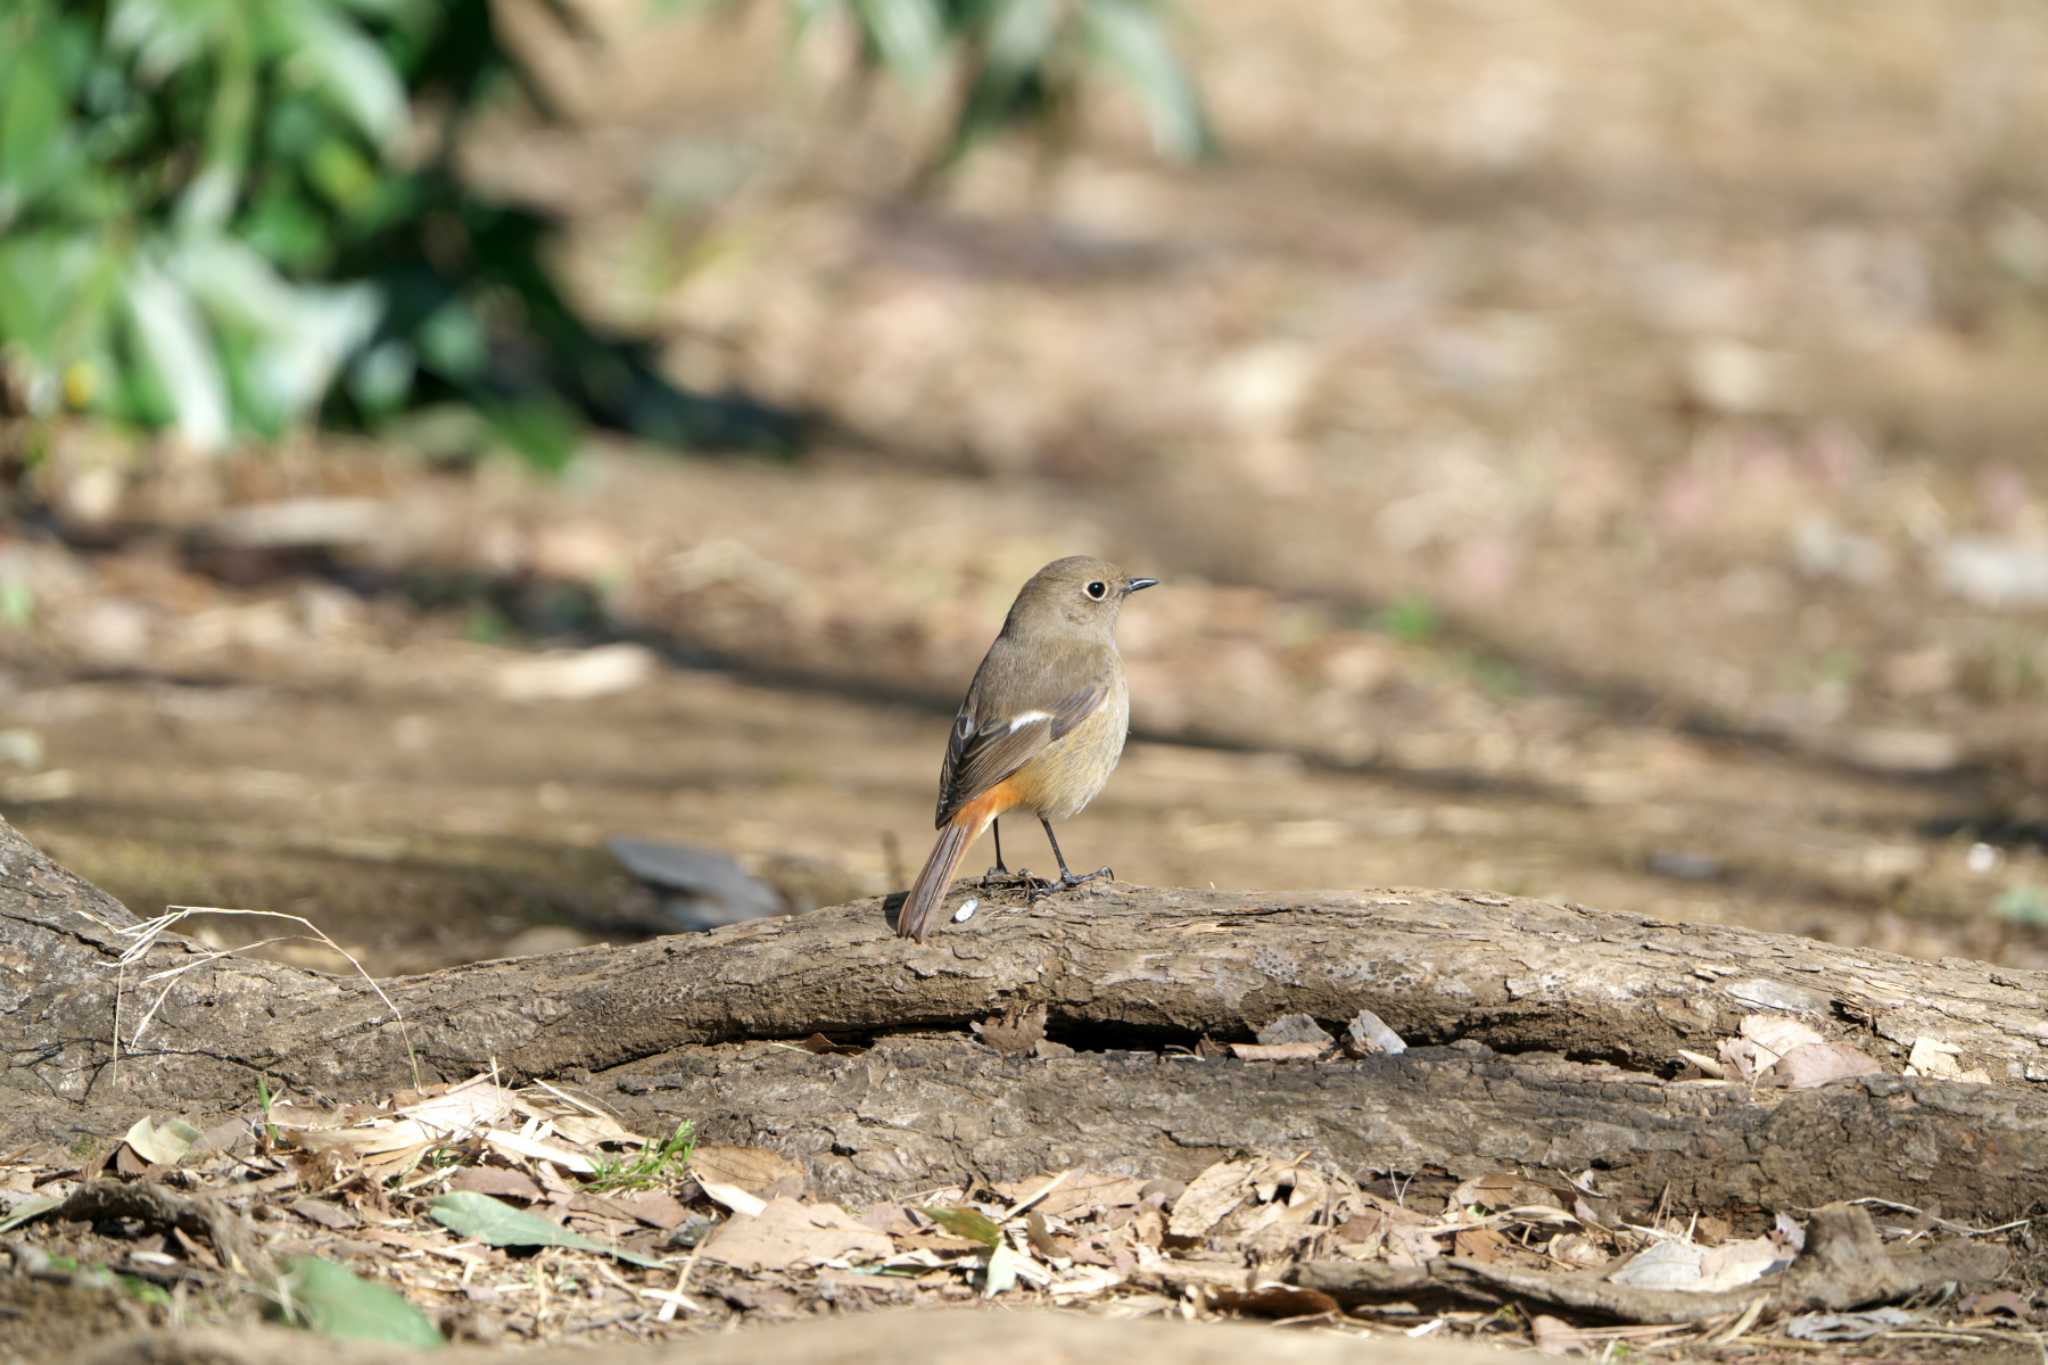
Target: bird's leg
(1067,879)
(1000,875)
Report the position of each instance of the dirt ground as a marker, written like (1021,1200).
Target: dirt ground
(1592,451)
(297,746)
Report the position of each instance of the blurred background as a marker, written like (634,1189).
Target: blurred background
(1592,450)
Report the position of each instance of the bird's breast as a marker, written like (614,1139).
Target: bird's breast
(1066,774)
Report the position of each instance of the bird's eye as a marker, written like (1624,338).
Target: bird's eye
(1097,589)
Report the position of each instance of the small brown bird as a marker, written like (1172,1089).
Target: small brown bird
(1042,726)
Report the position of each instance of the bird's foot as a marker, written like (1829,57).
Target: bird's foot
(1000,876)
(1068,881)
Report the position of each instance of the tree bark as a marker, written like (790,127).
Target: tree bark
(1543,1034)
(921,1113)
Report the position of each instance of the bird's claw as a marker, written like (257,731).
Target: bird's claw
(1068,881)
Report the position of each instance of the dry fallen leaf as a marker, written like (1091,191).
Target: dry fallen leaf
(1484,1245)
(1039,1235)
(519,1145)
(756,1170)
(1361,1235)
(1862,1326)
(654,1208)
(1768,1039)
(788,1232)
(2000,1301)
(461,1108)
(496,1181)
(1277,1052)
(591,1130)
(161,1142)
(732,1197)
(819,1045)
(1779,1033)
(1502,1190)
(1296,1028)
(1745,1060)
(1085,1281)
(1664,1264)
(1556,1337)
(324,1212)
(1815,1064)
(1017,1029)
(1577,1250)
(1367,1034)
(1934,1058)
(1674,1263)
(1080,1195)
(1734,1264)
(1212,1194)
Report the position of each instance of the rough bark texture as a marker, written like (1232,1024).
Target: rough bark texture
(1584,1007)
(918,1113)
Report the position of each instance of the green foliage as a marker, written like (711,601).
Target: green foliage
(2023,903)
(223,217)
(962,1221)
(1413,619)
(1021,62)
(656,1165)
(1024,60)
(332,1300)
(496,1223)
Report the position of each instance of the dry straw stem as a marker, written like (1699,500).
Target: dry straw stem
(144,936)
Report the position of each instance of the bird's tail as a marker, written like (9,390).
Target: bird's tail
(915,919)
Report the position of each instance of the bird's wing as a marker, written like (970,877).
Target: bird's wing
(990,743)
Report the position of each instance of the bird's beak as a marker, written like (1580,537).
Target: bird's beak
(1140,584)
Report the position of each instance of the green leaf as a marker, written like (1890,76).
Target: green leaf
(962,1221)
(335,57)
(908,33)
(210,198)
(34,137)
(2023,904)
(1414,619)
(452,340)
(18,609)
(498,1224)
(1130,36)
(28,1211)
(1020,36)
(300,335)
(538,430)
(332,1300)
(183,355)
(165,36)
(380,379)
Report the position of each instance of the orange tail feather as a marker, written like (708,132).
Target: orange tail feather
(915,920)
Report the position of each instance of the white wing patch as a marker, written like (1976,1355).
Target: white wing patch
(1028,718)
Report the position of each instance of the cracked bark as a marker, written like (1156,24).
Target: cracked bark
(1561,1017)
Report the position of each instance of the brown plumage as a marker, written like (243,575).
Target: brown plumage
(1042,725)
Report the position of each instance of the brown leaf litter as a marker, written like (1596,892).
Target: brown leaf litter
(736,1232)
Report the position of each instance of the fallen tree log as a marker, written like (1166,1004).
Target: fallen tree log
(1569,1020)
(918,1113)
